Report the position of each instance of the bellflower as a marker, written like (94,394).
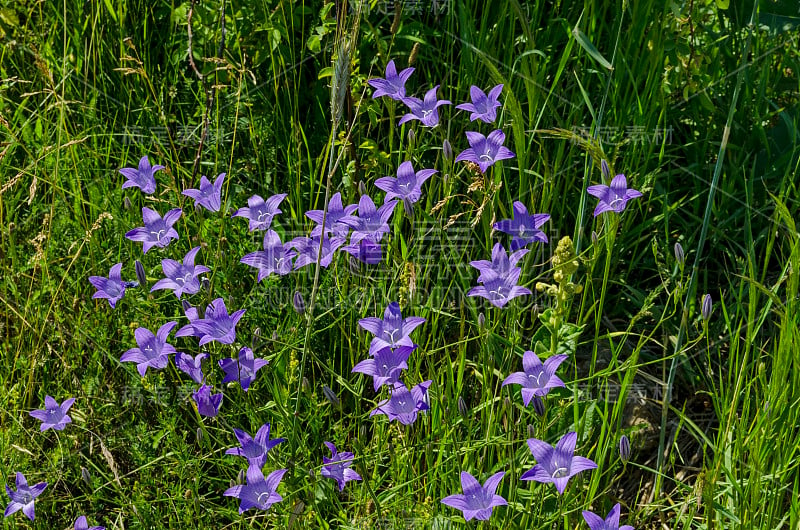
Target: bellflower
(338,465)
(404,404)
(392,331)
(332,218)
(142,178)
(82,524)
(209,196)
(260,212)
(538,378)
(207,403)
(477,501)
(53,416)
(308,250)
(23,499)
(258,492)
(424,110)
(524,227)
(485,150)
(156,231)
(394,85)
(192,366)
(371,222)
(499,289)
(386,365)
(181,278)
(217,325)
(408,184)
(153,351)
(365,251)
(244,369)
(612,198)
(556,464)
(611,522)
(501,263)
(483,107)
(111,288)
(275,258)
(254,449)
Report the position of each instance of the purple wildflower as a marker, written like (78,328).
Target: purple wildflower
(217,325)
(408,184)
(82,524)
(24,497)
(394,85)
(142,178)
(365,251)
(499,289)
(424,110)
(260,212)
(156,231)
(207,403)
(392,331)
(483,107)
(275,258)
(191,366)
(538,378)
(338,465)
(209,196)
(181,278)
(612,198)
(254,449)
(556,464)
(244,369)
(611,522)
(404,404)
(477,501)
(335,213)
(524,227)
(386,365)
(53,416)
(371,222)
(258,492)
(112,288)
(485,150)
(153,351)
(501,263)
(308,250)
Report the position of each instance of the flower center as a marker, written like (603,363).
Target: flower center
(560,472)
(157,234)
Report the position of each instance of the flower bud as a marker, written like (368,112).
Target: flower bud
(298,303)
(412,137)
(198,434)
(538,406)
(706,307)
(462,407)
(679,257)
(140,275)
(624,449)
(362,188)
(605,169)
(126,203)
(241,478)
(531,430)
(594,237)
(330,395)
(206,284)
(447,150)
(87,478)
(481,321)
(255,339)
(408,206)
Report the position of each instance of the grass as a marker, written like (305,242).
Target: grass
(88,88)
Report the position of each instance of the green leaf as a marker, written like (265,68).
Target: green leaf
(587,45)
